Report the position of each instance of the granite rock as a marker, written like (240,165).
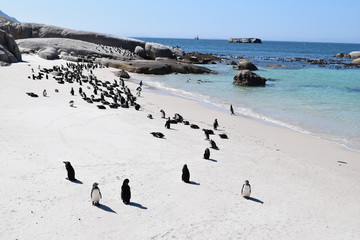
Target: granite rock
(248,78)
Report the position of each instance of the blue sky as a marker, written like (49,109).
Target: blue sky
(281,20)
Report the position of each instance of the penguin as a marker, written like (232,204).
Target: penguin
(44,93)
(246,190)
(70,171)
(149,116)
(223,136)
(185,174)
(216,124)
(213,144)
(167,124)
(125,192)
(71,103)
(80,90)
(232,110)
(72,92)
(95,195)
(207,153)
(163,113)
(157,134)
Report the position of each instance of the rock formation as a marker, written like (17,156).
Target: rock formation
(160,67)
(354,54)
(356,61)
(74,47)
(248,78)
(9,51)
(245,64)
(244,40)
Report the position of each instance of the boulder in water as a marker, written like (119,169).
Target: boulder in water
(248,78)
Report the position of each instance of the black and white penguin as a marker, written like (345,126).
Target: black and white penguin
(72,92)
(162,113)
(95,195)
(216,124)
(157,134)
(207,153)
(149,116)
(71,103)
(70,171)
(185,174)
(167,123)
(232,110)
(44,93)
(125,192)
(213,144)
(246,189)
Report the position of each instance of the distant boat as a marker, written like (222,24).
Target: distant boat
(197,37)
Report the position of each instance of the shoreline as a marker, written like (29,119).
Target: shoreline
(302,187)
(168,91)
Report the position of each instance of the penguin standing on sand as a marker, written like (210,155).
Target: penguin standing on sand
(44,93)
(72,92)
(216,124)
(246,189)
(185,174)
(231,110)
(167,124)
(70,171)
(207,153)
(125,192)
(95,195)
(162,113)
(213,144)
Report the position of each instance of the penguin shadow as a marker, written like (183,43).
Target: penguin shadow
(105,208)
(193,183)
(138,205)
(75,181)
(211,160)
(254,200)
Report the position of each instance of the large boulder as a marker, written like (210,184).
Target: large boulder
(248,78)
(122,74)
(244,40)
(245,64)
(9,50)
(354,54)
(154,67)
(140,51)
(35,30)
(356,61)
(154,50)
(48,53)
(76,47)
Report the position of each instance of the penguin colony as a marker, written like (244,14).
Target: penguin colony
(116,95)
(104,94)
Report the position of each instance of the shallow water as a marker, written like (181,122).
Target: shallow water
(323,102)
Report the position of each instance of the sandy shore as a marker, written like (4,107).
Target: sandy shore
(302,187)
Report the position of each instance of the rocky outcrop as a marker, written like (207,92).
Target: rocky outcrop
(140,51)
(245,64)
(248,78)
(74,47)
(154,50)
(244,40)
(9,51)
(122,73)
(160,67)
(354,54)
(48,53)
(200,58)
(35,30)
(356,61)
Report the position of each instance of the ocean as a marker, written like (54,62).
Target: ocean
(323,101)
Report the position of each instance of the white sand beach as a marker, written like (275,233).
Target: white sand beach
(302,187)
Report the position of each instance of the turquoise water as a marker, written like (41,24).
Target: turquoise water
(323,102)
